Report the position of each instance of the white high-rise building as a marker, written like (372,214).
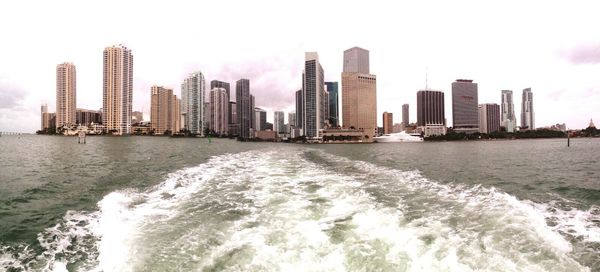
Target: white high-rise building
(507,108)
(278,122)
(219,111)
(66,94)
(527,115)
(117,90)
(313,93)
(192,94)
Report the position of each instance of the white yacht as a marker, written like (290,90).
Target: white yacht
(397,138)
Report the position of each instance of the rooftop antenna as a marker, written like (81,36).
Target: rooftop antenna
(426,87)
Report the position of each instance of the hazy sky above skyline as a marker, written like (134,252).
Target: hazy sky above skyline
(552,47)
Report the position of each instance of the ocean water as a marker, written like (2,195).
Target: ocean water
(161,204)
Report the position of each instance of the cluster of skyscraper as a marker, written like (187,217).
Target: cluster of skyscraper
(193,113)
(317,106)
(215,113)
(116,112)
(467,114)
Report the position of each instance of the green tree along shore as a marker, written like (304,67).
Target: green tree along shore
(529,134)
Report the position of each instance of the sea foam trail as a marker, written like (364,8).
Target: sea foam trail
(290,209)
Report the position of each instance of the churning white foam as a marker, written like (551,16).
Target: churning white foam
(295,214)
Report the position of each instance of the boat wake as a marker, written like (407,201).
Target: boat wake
(306,210)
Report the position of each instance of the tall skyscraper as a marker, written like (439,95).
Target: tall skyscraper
(334,110)
(465,116)
(527,115)
(292,119)
(117,90)
(207,112)
(164,110)
(233,125)
(356,60)
(299,109)
(278,122)
(325,106)
(431,118)
(252,117)
(221,84)
(245,108)
(219,111)
(175,114)
(405,115)
(45,124)
(260,119)
(359,92)
(508,119)
(489,118)
(388,122)
(313,95)
(66,91)
(193,96)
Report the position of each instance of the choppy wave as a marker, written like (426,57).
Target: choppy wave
(305,210)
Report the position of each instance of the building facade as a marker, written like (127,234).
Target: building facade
(193,99)
(489,118)
(465,115)
(219,111)
(334,108)
(117,90)
(313,94)
(527,114)
(279,122)
(359,92)
(291,121)
(233,126)
(66,94)
(405,115)
(431,119)
(45,118)
(388,122)
(165,114)
(87,117)
(260,119)
(299,109)
(245,108)
(507,108)
(356,60)
(221,84)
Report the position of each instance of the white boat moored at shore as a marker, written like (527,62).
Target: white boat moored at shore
(397,138)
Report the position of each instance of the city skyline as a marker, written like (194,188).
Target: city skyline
(557,63)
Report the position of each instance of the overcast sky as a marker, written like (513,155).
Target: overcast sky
(551,46)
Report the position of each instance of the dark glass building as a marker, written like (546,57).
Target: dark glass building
(334,109)
(221,84)
(465,116)
(299,109)
(244,108)
(430,108)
